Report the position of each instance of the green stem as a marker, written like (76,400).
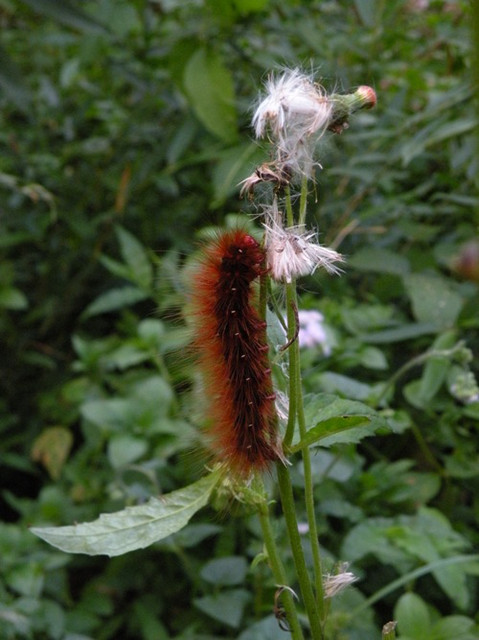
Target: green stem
(303,201)
(297,408)
(287,501)
(310,510)
(279,572)
(289,208)
(446,354)
(293,354)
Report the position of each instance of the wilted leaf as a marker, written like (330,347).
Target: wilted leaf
(51,449)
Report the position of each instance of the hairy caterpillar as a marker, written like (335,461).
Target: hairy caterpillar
(232,352)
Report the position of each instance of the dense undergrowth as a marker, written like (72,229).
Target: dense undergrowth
(125,132)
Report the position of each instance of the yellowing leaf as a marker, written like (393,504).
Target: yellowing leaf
(51,449)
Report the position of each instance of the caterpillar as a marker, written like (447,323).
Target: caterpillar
(232,353)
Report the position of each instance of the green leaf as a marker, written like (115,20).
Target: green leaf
(225,571)
(123,450)
(433,300)
(337,420)
(231,169)
(136,257)
(433,134)
(113,300)
(12,83)
(12,298)
(455,628)
(413,618)
(373,358)
(338,383)
(435,370)
(379,261)
(250,6)
(226,607)
(26,579)
(341,430)
(64,12)
(368,11)
(398,334)
(135,527)
(209,86)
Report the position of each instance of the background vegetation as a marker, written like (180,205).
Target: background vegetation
(125,131)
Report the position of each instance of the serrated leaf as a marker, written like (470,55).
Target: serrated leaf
(114,534)
(209,86)
(337,420)
(345,429)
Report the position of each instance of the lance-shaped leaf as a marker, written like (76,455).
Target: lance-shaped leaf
(135,527)
(336,420)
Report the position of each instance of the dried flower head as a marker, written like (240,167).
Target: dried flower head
(296,112)
(291,252)
(267,172)
(335,583)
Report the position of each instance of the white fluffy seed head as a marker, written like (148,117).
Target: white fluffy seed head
(296,113)
(334,584)
(291,252)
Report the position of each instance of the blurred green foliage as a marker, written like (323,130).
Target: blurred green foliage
(124,133)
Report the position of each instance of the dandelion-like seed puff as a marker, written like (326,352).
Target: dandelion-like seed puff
(295,112)
(334,584)
(291,252)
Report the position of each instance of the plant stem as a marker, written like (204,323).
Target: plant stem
(289,207)
(310,510)
(293,354)
(303,201)
(297,405)
(445,354)
(279,572)
(287,501)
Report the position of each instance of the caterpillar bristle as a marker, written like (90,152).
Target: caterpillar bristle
(231,348)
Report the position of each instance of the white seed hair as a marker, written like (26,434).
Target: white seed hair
(291,253)
(296,112)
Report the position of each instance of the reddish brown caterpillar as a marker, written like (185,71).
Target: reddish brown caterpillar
(233,354)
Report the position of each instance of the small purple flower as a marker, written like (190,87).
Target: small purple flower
(311,330)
